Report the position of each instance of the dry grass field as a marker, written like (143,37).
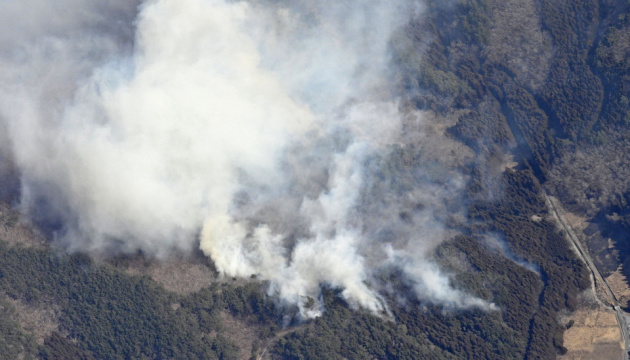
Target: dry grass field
(593,335)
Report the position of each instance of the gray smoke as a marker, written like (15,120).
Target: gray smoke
(267,133)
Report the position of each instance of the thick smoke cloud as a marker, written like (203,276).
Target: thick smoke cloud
(267,133)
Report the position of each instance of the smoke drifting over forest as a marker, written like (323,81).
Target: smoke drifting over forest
(268,133)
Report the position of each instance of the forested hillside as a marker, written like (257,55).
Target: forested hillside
(536,90)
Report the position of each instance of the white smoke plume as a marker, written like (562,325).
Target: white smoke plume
(267,133)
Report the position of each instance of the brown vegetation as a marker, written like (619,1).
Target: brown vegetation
(15,229)
(592,334)
(518,41)
(246,337)
(618,283)
(592,177)
(40,319)
(181,276)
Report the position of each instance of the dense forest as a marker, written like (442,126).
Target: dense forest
(545,83)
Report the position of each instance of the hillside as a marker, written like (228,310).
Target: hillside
(501,103)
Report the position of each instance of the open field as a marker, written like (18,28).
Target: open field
(593,335)
(182,276)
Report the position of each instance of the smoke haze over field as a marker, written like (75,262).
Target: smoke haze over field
(266,132)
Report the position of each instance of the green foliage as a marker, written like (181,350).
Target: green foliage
(112,315)
(342,333)
(611,64)
(57,347)
(247,302)
(540,243)
(442,82)
(529,301)
(572,95)
(476,19)
(441,66)
(484,127)
(529,125)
